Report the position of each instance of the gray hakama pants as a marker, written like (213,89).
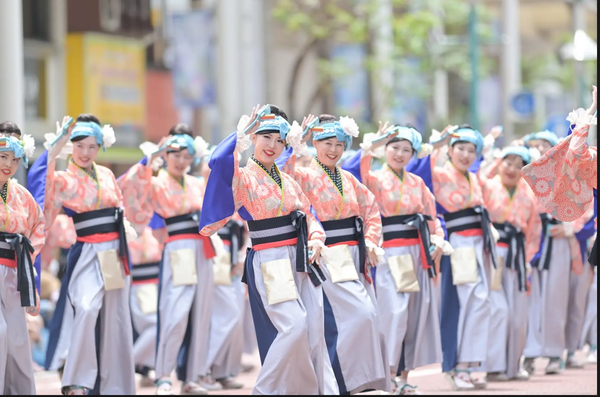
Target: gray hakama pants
(589,335)
(475,307)
(249,332)
(16,361)
(548,304)
(290,334)
(578,292)
(145,325)
(360,350)
(226,329)
(88,304)
(410,320)
(184,314)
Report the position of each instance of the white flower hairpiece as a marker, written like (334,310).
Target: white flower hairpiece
(201,147)
(149,148)
(367,145)
(294,139)
(108,136)
(349,126)
(28,145)
(66,150)
(580,116)
(243,140)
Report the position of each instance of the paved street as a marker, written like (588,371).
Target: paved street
(430,381)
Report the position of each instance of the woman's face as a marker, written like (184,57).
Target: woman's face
(85,152)
(329,151)
(543,146)
(8,166)
(462,155)
(510,170)
(267,147)
(398,154)
(178,162)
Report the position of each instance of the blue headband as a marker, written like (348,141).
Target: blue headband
(547,136)
(409,134)
(274,124)
(12,144)
(182,141)
(331,130)
(86,129)
(520,151)
(468,135)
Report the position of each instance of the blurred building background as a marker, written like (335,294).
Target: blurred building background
(143,65)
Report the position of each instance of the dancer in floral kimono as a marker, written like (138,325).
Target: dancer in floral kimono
(564,179)
(465,316)
(186,271)
(413,240)
(21,239)
(97,355)
(513,210)
(284,284)
(350,217)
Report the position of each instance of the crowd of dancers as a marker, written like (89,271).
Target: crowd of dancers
(355,268)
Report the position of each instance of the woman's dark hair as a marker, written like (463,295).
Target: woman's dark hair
(181,129)
(276,110)
(327,118)
(88,118)
(8,127)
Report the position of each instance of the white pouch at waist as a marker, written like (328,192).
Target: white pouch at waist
(464,265)
(403,271)
(147,296)
(183,267)
(112,269)
(279,281)
(496,284)
(339,263)
(222,268)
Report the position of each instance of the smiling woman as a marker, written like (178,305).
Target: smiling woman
(21,239)
(352,223)
(90,195)
(186,276)
(284,282)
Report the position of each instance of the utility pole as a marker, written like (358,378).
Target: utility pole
(474,63)
(511,64)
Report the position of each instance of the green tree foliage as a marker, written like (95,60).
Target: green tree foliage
(323,23)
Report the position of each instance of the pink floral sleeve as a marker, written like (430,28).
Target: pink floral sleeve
(564,178)
(369,210)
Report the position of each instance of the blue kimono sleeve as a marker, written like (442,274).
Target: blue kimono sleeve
(284,157)
(219,200)
(352,165)
(422,168)
(36,184)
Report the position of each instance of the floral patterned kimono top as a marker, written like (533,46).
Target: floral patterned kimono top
(145,194)
(337,199)
(61,235)
(565,179)
(453,190)
(518,209)
(251,191)
(79,192)
(404,194)
(21,214)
